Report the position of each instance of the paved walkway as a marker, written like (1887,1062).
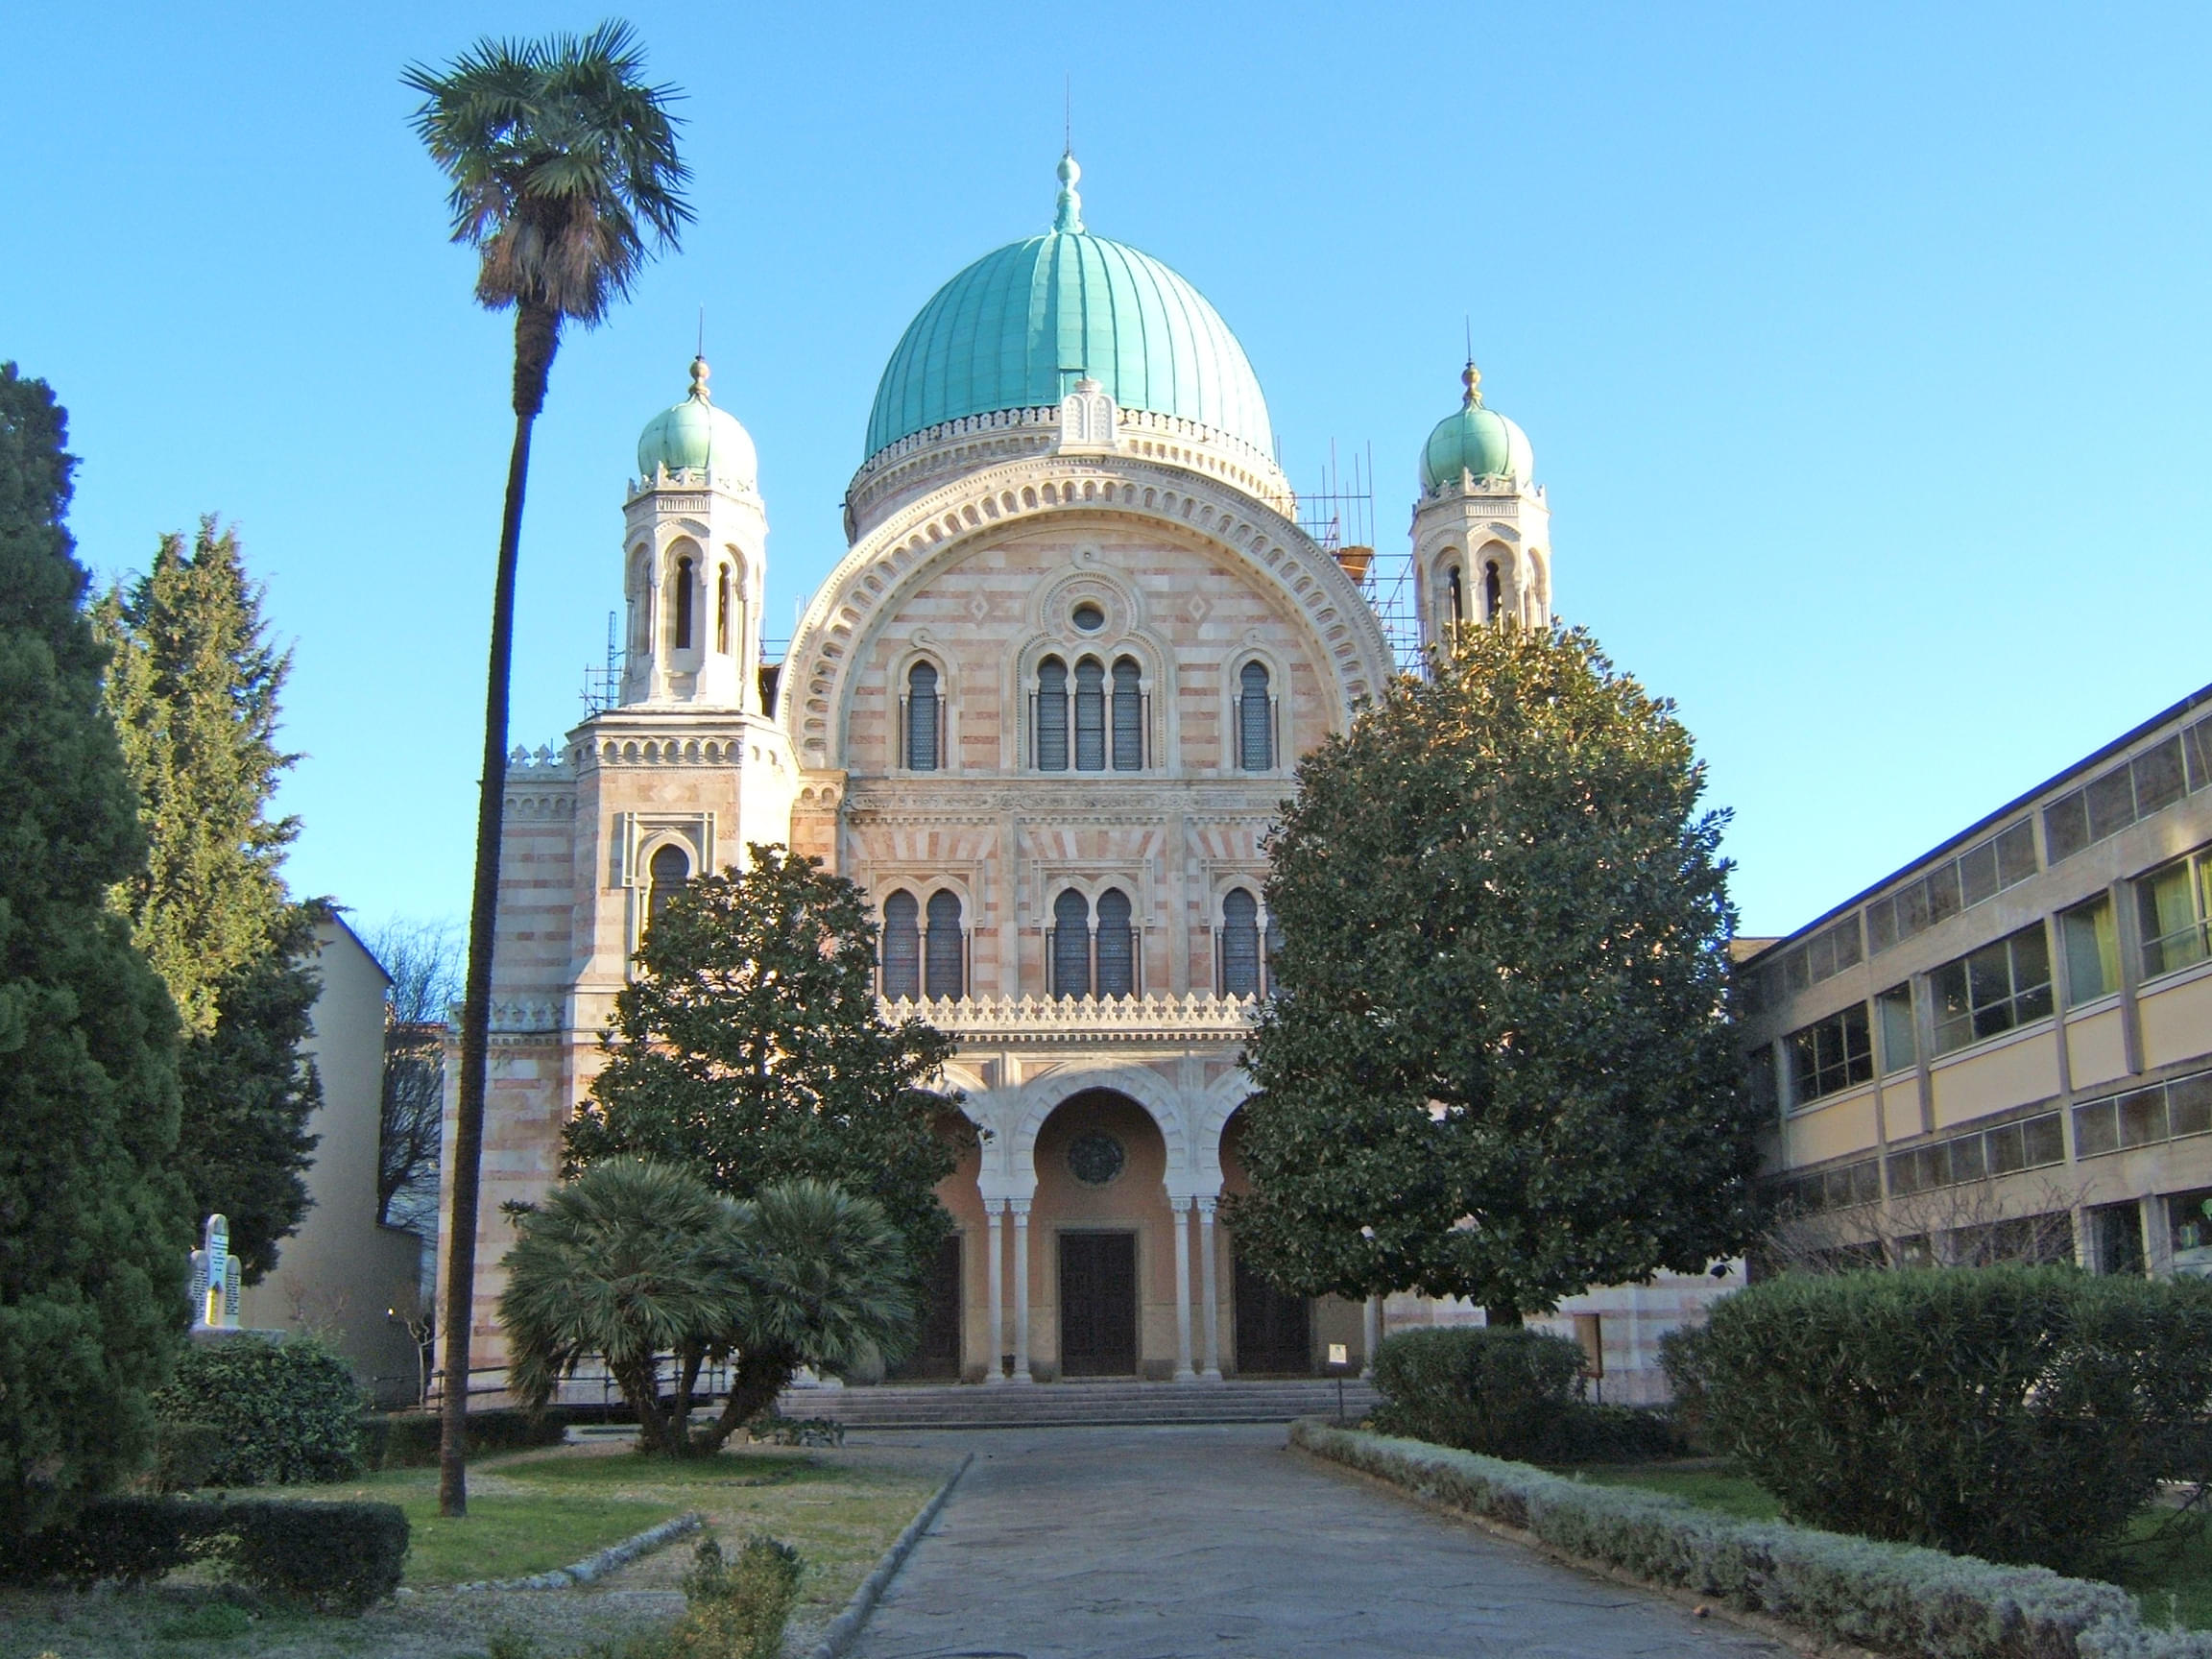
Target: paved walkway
(1166,1543)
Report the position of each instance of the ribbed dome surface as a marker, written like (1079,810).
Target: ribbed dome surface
(694,434)
(1018,328)
(1477,442)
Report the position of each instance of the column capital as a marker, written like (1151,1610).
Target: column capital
(1019,1206)
(1208,1204)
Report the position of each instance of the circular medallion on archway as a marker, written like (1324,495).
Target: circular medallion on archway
(1096,1159)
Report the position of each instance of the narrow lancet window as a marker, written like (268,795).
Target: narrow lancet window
(681,581)
(722,613)
(1070,945)
(1117,946)
(1493,591)
(901,947)
(668,871)
(1239,945)
(1255,720)
(1128,715)
(945,951)
(1090,715)
(922,715)
(1051,715)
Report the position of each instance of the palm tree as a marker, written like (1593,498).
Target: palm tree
(827,1285)
(642,1263)
(565,181)
(631,1262)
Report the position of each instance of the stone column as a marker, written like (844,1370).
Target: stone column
(1021,1207)
(995,1230)
(1181,1208)
(1210,1288)
(1370,1334)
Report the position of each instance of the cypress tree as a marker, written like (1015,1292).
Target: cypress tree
(194,687)
(92,1237)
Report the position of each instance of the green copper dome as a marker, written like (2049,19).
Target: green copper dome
(1476,440)
(1018,328)
(695,434)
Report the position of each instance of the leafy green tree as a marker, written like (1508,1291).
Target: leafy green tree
(748,1047)
(645,1266)
(1497,1064)
(194,685)
(92,1244)
(565,180)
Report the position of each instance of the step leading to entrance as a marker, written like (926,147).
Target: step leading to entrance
(1077,1404)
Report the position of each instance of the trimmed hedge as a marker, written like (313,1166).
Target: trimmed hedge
(2012,1413)
(336,1556)
(1897,1599)
(279,1413)
(1505,1392)
(410,1439)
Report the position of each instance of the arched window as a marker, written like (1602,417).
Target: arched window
(1128,715)
(1493,591)
(1255,720)
(1239,944)
(1070,945)
(722,613)
(1090,716)
(901,947)
(1455,602)
(1117,946)
(922,718)
(681,581)
(1051,715)
(945,953)
(668,871)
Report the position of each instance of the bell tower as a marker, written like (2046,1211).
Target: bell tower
(695,558)
(1482,528)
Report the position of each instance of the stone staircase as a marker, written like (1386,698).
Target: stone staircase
(1069,1404)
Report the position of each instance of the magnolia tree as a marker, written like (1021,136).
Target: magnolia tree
(1497,1064)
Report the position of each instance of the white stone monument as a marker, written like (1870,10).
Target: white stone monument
(215,1279)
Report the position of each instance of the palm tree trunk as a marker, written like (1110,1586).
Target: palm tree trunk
(537,337)
(756,1379)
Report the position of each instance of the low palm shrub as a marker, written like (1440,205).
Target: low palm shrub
(2012,1413)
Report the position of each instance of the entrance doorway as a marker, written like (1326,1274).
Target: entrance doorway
(1097,1304)
(937,1348)
(1274,1330)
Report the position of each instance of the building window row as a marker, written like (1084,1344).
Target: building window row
(2166,1110)
(1244,950)
(1829,1055)
(2174,906)
(1097,728)
(924,949)
(1093,952)
(1987,991)
(2032,1144)
(1823,956)
(2109,803)
(1959,884)
(1835,1188)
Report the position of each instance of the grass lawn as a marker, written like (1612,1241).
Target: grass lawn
(2170,1579)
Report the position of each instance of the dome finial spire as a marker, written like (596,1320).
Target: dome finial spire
(1070,217)
(699,373)
(1471,377)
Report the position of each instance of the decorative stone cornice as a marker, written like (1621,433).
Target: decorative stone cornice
(875,575)
(526,1018)
(976,1020)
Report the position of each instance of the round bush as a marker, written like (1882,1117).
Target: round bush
(2014,1413)
(1501,1391)
(283,1413)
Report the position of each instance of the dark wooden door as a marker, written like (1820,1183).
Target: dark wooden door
(1097,1304)
(937,1350)
(1274,1330)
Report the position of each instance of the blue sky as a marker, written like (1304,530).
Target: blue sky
(1864,350)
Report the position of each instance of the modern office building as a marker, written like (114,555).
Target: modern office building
(2004,1049)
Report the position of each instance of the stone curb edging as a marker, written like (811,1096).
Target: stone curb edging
(594,1567)
(845,1630)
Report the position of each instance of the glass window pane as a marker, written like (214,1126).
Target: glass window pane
(1070,945)
(2169,919)
(1902,1170)
(2190,1217)
(1943,893)
(2016,854)
(1866,1182)
(1117,946)
(901,947)
(1978,872)
(2092,947)
(1990,974)
(1793,976)
(1846,936)
(1255,720)
(2066,826)
(1954,1015)
(1912,910)
(2158,777)
(2189,1104)
(1882,925)
(1820,957)
(2197,745)
(946,953)
(1966,1159)
(2111,804)
(1900,1044)
(2006,1149)
(1128,717)
(1241,951)
(2031,959)
(2096,1128)
(2042,1140)
(1858,1045)
(2143,1117)
(921,718)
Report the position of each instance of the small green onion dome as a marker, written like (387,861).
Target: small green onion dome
(1476,442)
(695,435)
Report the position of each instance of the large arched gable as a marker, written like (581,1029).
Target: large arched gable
(871,581)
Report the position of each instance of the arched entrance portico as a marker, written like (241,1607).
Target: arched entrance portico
(1102,1282)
